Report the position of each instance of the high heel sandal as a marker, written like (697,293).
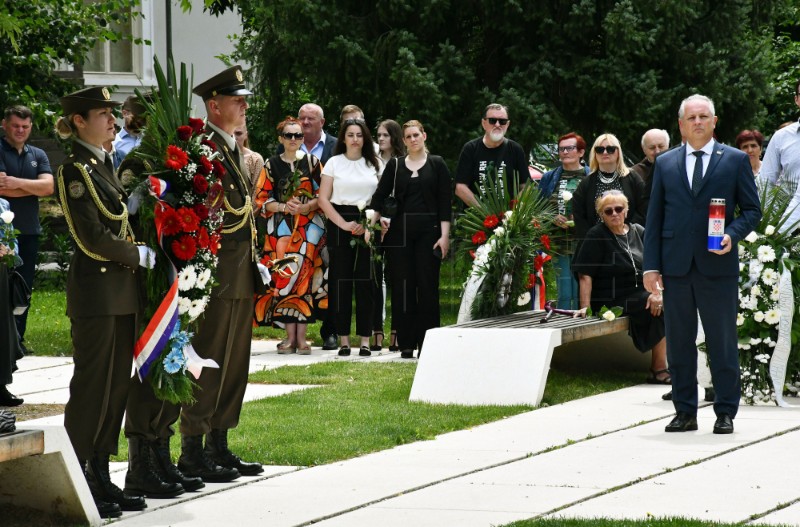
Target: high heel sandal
(393,341)
(378,343)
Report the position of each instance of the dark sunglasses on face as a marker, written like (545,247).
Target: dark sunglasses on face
(348,122)
(290,135)
(495,120)
(604,149)
(613,210)
(566,149)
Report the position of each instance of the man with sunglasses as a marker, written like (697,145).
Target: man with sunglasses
(693,278)
(492,154)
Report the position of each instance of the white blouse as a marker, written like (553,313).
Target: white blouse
(353,181)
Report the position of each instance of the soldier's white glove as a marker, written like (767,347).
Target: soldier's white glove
(133,203)
(147,257)
(264,272)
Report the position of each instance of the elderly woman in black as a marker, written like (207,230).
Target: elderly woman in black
(609,269)
(608,173)
(416,236)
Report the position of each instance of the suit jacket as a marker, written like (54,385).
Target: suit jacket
(235,266)
(102,274)
(677,221)
(435,186)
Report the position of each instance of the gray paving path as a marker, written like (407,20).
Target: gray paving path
(603,456)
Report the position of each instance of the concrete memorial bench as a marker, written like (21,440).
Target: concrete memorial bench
(39,470)
(500,360)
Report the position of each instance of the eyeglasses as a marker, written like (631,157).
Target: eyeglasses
(495,120)
(290,135)
(565,149)
(613,210)
(348,122)
(604,149)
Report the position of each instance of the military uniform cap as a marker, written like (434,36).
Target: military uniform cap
(87,99)
(228,82)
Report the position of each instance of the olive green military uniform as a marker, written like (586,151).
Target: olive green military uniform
(102,300)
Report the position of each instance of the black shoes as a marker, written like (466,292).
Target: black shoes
(364,351)
(142,478)
(167,471)
(194,462)
(217,449)
(7,399)
(724,424)
(709,396)
(378,346)
(407,354)
(104,491)
(682,422)
(329,343)
(344,351)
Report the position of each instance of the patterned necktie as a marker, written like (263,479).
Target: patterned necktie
(697,175)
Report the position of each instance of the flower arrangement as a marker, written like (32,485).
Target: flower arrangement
(507,240)
(8,237)
(765,267)
(181,196)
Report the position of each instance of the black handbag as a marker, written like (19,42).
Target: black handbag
(390,203)
(20,293)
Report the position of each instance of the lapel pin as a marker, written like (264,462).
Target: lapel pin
(93,160)
(719,152)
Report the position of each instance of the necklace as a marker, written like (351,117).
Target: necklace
(627,249)
(607,179)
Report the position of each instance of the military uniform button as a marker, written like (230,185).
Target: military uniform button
(102,269)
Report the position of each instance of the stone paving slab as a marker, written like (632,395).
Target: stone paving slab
(787,516)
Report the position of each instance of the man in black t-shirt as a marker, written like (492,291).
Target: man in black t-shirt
(492,150)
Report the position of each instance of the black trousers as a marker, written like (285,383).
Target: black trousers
(350,270)
(414,275)
(28,245)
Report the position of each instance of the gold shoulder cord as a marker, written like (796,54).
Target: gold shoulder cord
(123,217)
(245,212)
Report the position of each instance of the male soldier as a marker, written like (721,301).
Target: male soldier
(25,175)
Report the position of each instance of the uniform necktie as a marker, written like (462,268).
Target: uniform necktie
(108,163)
(697,175)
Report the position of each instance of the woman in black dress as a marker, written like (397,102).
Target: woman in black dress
(609,269)
(417,238)
(10,349)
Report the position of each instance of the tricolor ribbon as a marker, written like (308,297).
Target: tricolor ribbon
(539,293)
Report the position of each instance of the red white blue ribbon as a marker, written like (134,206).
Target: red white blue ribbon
(157,333)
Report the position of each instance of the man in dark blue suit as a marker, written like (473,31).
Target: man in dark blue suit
(693,278)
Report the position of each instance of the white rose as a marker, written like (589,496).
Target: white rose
(752,237)
(299,155)
(7,216)
(524,299)
(609,315)
(567,195)
(370,214)
(770,230)
(361,204)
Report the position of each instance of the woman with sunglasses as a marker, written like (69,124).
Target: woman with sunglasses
(609,268)
(608,172)
(418,236)
(348,181)
(286,196)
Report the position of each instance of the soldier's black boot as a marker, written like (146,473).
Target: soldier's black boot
(102,488)
(169,472)
(195,463)
(142,478)
(217,449)
(104,508)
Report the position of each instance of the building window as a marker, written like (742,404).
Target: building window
(112,57)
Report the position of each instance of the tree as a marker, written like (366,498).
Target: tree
(585,65)
(44,35)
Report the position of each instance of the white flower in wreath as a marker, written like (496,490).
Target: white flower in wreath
(197,307)
(748,302)
(755,291)
(770,230)
(203,278)
(755,340)
(769,276)
(755,269)
(741,266)
(752,237)
(758,316)
(766,253)
(184,305)
(775,295)
(773,316)
(190,170)
(187,278)
(507,215)
(524,299)
(739,319)
(499,231)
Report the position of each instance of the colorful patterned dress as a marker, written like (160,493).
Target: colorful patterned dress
(294,294)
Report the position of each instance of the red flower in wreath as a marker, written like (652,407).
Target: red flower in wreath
(546,241)
(472,254)
(169,220)
(200,184)
(209,144)
(201,211)
(531,281)
(203,238)
(184,132)
(196,124)
(219,168)
(184,247)
(204,166)
(176,158)
(189,220)
(213,243)
(479,237)
(491,221)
